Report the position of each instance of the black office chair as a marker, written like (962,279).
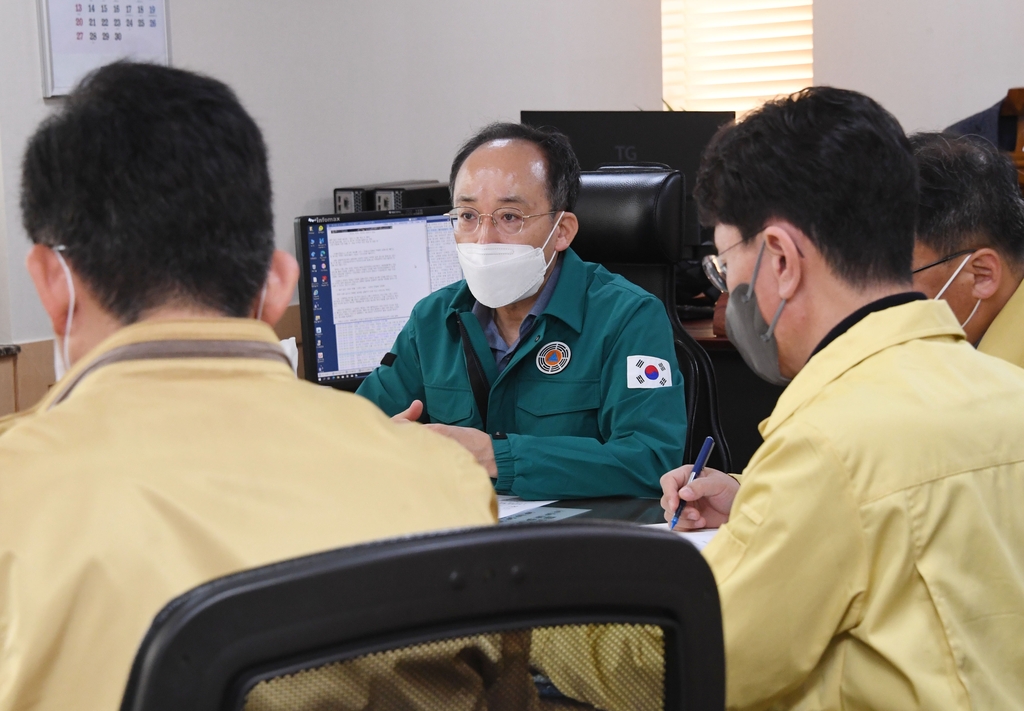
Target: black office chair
(631,223)
(443,621)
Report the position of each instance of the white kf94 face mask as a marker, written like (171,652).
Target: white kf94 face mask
(502,274)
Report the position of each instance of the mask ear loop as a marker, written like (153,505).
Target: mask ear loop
(753,277)
(767,335)
(547,263)
(65,353)
(263,297)
(958,270)
(973,311)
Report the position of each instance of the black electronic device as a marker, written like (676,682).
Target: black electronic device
(361,275)
(363,198)
(672,138)
(409,195)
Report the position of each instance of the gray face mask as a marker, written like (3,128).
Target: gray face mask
(746,328)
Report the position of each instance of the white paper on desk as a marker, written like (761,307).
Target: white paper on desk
(511,505)
(544,515)
(698,538)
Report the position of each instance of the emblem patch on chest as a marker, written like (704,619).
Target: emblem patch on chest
(553,358)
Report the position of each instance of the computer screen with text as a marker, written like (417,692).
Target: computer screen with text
(363,273)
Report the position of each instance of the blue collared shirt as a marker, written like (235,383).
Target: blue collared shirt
(485,315)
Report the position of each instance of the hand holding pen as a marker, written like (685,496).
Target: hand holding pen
(697,496)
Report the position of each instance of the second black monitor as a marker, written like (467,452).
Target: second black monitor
(675,138)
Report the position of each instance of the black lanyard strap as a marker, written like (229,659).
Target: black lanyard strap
(477,374)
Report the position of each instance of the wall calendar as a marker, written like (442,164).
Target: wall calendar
(78,36)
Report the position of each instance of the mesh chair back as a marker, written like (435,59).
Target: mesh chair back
(631,222)
(557,616)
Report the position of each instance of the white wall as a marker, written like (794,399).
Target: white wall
(349,92)
(930,62)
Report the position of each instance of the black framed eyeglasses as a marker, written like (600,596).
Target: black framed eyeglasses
(945,259)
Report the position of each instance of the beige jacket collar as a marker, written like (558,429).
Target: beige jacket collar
(876,332)
(1004,338)
(168,336)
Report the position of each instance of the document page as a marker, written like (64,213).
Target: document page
(378,273)
(511,505)
(441,252)
(698,538)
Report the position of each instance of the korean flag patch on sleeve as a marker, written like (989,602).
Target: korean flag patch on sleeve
(647,372)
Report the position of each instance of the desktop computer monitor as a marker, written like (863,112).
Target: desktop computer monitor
(674,138)
(361,275)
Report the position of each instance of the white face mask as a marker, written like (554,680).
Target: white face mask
(950,281)
(61,359)
(502,274)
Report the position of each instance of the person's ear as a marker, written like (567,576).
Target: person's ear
(783,258)
(51,284)
(281,280)
(987,270)
(566,231)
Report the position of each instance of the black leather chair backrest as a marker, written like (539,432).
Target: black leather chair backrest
(210,648)
(631,222)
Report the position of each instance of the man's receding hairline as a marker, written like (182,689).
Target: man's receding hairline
(504,143)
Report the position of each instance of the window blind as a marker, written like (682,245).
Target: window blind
(733,55)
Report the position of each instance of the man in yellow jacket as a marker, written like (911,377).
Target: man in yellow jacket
(179,446)
(970,239)
(873,556)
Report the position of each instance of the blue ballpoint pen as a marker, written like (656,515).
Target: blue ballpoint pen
(698,467)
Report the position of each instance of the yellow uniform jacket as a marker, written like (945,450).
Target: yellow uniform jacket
(1005,336)
(874,556)
(200,457)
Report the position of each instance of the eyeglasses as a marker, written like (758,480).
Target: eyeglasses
(508,221)
(944,260)
(715,270)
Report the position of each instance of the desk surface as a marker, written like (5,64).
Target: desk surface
(703,332)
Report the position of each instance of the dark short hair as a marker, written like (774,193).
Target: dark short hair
(969,196)
(563,169)
(833,163)
(155,180)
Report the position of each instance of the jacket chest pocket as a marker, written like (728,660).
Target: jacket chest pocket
(449,406)
(559,408)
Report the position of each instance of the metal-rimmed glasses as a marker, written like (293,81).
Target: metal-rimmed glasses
(945,259)
(715,270)
(508,221)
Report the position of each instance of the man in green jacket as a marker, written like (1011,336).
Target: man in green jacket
(558,376)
